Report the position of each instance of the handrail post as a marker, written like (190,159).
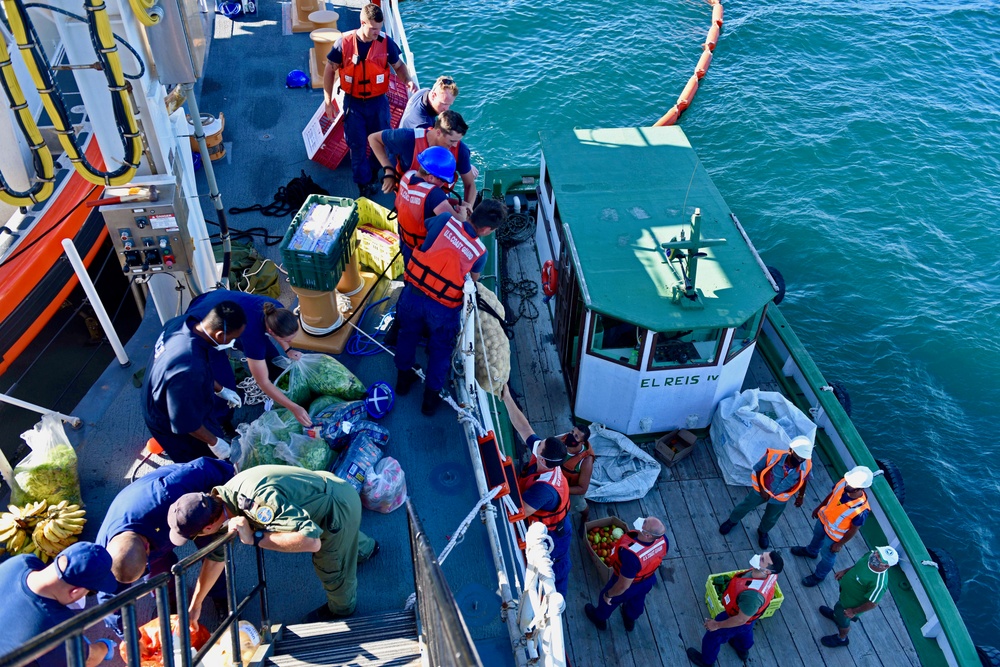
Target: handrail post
(184,627)
(95,300)
(75,656)
(265,613)
(166,632)
(234,629)
(131,627)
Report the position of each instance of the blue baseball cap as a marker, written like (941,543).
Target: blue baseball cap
(87,565)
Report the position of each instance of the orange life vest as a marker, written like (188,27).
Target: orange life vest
(552,519)
(410,201)
(650,555)
(836,517)
(364,78)
(439,272)
(739,584)
(775,457)
(420,144)
(571,466)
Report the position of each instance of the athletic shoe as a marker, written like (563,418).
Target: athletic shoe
(826,612)
(762,539)
(802,552)
(811,580)
(834,641)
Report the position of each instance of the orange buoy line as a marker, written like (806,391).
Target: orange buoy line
(687,95)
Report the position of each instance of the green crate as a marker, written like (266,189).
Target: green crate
(713,597)
(313,270)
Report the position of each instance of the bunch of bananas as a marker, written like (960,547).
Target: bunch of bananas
(41,530)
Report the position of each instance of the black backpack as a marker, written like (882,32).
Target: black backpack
(288,199)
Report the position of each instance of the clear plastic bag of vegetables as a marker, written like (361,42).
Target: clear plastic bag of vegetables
(257,441)
(385,486)
(319,375)
(305,452)
(49,472)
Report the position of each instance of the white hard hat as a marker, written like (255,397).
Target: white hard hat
(859,477)
(888,554)
(802,446)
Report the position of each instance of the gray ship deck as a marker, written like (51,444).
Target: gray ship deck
(693,500)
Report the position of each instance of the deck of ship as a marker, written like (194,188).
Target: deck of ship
(692,499)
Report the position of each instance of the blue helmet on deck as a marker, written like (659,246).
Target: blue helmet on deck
(438,161)
(297,79)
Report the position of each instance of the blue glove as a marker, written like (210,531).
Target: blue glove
(111,647)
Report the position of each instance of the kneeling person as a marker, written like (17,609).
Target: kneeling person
(282,508)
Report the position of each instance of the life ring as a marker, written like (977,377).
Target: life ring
(550,278)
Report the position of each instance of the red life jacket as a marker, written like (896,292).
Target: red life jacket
(739,583)
(420,144)
(650,555)
(410,201)
(571,466)
(439,272)
(552,519)
(365,78)
(776,457)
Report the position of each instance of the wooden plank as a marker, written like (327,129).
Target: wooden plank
(703,459)
(582,638)
(652,505)
(895,621)
(686,542)
(703,517)
(718,496)
(698,570)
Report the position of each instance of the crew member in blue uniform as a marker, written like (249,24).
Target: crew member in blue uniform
(397,151)
(428,103)
(431,299)
(135,530)
(185,405)
(634,559)
(37,598)
(544,490)
(269,325)
(360,62)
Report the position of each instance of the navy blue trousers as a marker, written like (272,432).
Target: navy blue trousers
(361,118)
(741,638)
(416,313)
(632,601)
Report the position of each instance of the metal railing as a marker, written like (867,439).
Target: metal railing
(445,634)
(71,632)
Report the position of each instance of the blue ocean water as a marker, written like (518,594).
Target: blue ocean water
(857,142)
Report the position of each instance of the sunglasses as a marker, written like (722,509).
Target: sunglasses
(446,82)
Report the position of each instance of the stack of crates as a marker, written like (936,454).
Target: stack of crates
(319,271)
(713,596)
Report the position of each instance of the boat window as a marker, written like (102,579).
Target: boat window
(616,340)
(745,334)
(697,347)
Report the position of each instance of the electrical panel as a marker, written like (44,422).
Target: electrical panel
(151,236)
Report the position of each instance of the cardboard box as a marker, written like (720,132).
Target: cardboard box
(602,569)
(675,445)
(714,603)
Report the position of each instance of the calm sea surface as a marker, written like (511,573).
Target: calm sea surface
(859,143)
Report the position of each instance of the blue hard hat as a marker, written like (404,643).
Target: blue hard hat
(379,400)
(229,9)
(438,161)
(297,79)
(196,158)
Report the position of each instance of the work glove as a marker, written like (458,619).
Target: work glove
(230,396)
(221,449)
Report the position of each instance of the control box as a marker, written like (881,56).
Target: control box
(151,236)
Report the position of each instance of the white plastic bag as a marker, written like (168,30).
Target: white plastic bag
(385,487)
(622,471)
(49,472)
(746,425)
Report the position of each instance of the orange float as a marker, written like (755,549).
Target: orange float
(687,95)
(717,14)
(669,118)
(550,278)
(713,37)
(702,67)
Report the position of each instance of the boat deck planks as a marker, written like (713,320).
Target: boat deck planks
(693,499)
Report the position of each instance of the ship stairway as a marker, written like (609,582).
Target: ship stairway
(382,639)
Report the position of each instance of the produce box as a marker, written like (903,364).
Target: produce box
(675,445)
(608,523)
(716,586)
(312,270)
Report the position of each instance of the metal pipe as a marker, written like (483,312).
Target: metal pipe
(75,422)
(166,632)
(131,628)
(265,612)
(213,186)
(237,659)
(88,287)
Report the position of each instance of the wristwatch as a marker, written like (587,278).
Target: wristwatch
(258,535)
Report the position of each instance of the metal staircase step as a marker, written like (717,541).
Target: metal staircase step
(383,639)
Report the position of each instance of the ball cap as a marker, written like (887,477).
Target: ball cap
(888,555)
(188,516)
(859,477)
(87,565)
(802,446)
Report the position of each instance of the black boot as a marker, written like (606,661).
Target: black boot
(392,335)
(432,399)
(405,380)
